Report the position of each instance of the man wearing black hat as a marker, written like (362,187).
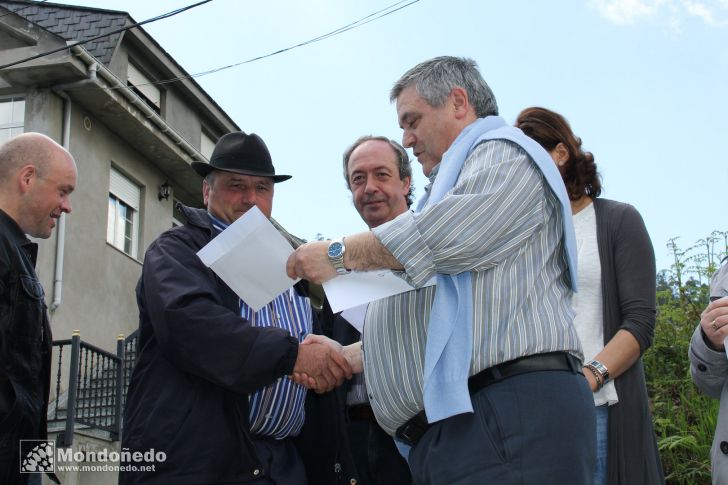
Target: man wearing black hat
(210,388)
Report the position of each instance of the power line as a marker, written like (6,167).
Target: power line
(353,25)
(358,23)
(81,42)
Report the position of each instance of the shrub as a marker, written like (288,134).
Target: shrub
(684,419)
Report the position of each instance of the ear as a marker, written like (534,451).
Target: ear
(561,154)
(26,178)
(205,191)
(406,183)
(460,102)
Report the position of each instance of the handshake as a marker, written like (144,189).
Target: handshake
(322,363)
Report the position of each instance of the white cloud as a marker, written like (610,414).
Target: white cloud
(701,11)
(670,12)
(625,12)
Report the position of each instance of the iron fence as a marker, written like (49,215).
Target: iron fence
(97,383)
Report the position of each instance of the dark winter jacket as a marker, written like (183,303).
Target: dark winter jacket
(198,362)
(324,441)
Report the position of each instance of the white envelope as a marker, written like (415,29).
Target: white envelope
(250,256)
(360,287)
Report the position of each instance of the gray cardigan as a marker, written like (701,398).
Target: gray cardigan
(628,295)
(709,368)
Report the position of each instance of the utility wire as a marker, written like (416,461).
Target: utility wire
(138,24)
(358,23)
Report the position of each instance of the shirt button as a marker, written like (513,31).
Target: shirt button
(702,368)
(724,447)
(256,472)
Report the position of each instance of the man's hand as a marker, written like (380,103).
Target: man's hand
(320,364)
(311,262)
(714,322)
(353,355)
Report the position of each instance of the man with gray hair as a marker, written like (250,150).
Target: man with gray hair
(478,377)
(378,173)
(37,177)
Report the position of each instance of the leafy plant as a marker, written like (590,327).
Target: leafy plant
(684,419)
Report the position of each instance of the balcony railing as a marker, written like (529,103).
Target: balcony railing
(97,383)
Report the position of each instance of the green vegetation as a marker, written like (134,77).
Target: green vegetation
(684,418)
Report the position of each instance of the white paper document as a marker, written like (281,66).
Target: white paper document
(359,287)
(250,256)
(355,316)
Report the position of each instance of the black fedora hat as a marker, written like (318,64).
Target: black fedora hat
(240,153)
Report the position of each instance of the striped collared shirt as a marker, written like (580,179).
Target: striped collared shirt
(277,410)
(502,223)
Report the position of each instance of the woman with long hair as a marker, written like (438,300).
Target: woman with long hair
(614,307)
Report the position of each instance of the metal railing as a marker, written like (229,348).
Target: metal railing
(130,357)
(97,384)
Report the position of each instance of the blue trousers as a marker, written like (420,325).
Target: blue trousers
(600,476)
(536,428)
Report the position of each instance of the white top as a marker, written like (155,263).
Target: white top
(589,319)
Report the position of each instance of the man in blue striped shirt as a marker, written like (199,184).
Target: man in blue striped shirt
(210,387)
(478,377)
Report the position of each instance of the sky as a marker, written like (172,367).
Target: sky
(642,82)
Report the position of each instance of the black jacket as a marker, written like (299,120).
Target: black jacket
(198,361)
(324,442)
(25,348)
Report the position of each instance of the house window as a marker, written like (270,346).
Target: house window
(144,87)
(122,229)
(207,145)
(12,114)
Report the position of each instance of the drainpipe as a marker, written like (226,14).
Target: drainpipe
(135,100)
(94,70)
(66,138)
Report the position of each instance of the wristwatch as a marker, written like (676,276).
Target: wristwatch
(601,368)
(336,255)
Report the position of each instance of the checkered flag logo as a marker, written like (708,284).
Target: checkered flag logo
(37,456)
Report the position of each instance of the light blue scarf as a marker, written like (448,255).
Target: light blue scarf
(449,337)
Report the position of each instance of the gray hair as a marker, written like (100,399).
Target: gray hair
(403,161)
(436,78)
(210,178)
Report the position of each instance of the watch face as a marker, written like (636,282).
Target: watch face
(335,249)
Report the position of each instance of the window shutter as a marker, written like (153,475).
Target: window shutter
(144,84)
(125,189)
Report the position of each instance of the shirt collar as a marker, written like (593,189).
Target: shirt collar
(12,229)
(16,235)
(217,223)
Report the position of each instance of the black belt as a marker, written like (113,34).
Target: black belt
(411,431)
